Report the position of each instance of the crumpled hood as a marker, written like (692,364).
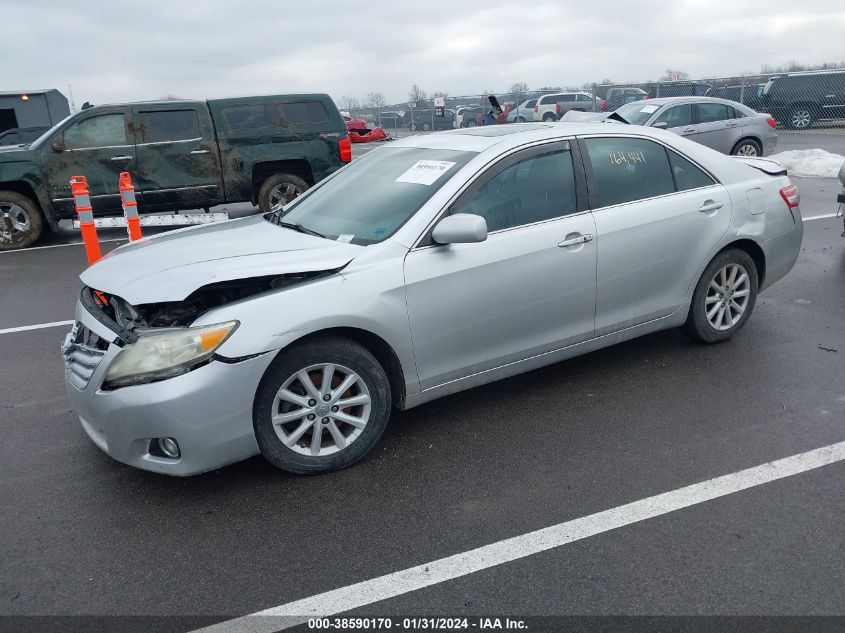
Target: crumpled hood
(171,266)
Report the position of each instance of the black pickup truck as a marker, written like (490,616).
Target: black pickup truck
(181,155)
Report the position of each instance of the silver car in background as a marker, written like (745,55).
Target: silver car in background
(726,126)
(436,264)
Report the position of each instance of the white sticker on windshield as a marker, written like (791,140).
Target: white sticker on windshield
(650,108)
(346,237)
(425,172)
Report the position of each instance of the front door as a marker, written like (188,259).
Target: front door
(658,219)
(98,146)
(178,163)
(680,120)
(528,289)
(833,105)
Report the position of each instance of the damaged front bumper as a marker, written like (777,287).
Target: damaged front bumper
(208,410)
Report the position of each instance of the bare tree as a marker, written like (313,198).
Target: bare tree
(375,100)
(519,90)
(439,93)
(674,75)
(416,94)
(170,97)
(349,103)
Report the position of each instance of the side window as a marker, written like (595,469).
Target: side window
(687,176)
(98,131)
(628,169)
(678,116)
(303,112)
(712,112)
(169,125)
(537,188)
(253,115)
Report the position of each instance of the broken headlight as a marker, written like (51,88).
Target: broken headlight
(158,355)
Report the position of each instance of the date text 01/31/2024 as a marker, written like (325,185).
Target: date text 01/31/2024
(416,624)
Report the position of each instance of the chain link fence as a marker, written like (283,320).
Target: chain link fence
(809,107)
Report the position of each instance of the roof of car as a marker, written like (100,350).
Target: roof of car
(514,134)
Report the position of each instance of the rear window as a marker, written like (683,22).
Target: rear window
(300,112)
(252,115)
(169,125)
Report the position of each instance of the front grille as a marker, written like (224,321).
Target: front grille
(82,350)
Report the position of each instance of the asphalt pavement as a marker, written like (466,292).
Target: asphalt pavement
(81,534)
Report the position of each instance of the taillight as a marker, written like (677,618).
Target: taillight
(791,196)
(345,147)
(772,123)
(536,108)
(603,106)
(557,108)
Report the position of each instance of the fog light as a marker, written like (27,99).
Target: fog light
(169,447)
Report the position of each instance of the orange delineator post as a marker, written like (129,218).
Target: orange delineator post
(82,200)
(130,207)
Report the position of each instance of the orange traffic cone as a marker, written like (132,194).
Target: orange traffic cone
(79,187)
(130,207)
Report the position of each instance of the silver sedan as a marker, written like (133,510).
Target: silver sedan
(431,266)
(726,126)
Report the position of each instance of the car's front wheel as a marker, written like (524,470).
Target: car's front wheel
(20,221)
(723,298)
(321,406)
(800,117)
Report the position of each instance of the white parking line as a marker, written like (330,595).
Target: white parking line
(38,326)
(819,217)
(39,248)
(451,567)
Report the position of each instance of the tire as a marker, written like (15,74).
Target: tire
(426,127)
(471,123)
(548,117)
(412,127)
(280,189)
(747,147)
(714,328)
(800,117)
(347,358)
(520,119)
(21,222)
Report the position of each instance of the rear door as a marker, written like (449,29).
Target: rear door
(718,126)
(833,104)
(178,162)
(658,219)
(98,146)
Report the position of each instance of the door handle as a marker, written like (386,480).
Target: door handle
(199,151)
(710,205)
(121,158)
(574,241)
(688,130)
(733,124)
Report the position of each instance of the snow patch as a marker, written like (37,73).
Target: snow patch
(810,162)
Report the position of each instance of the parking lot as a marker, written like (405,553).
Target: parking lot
(83,534)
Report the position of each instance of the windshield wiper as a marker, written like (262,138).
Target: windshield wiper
(300,228)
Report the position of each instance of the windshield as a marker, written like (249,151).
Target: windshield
(637,112)
(37,142)
(367,201)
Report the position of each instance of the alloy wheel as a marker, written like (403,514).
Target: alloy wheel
(747,149)
(321,409)
(282,194)
(727,297)
(14,222)
(801,118)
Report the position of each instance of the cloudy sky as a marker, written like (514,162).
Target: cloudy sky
(125,51)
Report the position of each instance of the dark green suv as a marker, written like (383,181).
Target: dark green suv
(181,155)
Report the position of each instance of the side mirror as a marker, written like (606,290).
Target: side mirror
(461,228)
(58,143)
(660,125)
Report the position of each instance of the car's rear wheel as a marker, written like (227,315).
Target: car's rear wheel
(321,406)
(412,127)
(723,298)
(426,127)
(548,117)
(520,119)
(20,221)
(800,117)
(279,190)
(747,147)
(471,123)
